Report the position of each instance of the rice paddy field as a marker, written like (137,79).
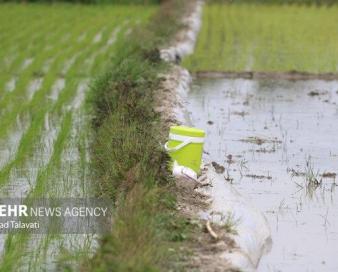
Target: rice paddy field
(256,37)
(272,135)
(49,54)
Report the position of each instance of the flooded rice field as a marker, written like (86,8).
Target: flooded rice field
(276,142)
(46,70)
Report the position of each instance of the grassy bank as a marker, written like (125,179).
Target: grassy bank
(129,161)
(256,37)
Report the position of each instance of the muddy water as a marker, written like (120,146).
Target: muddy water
(278,143)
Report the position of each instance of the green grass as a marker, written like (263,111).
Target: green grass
(54,34)
(256,37)
(129,161)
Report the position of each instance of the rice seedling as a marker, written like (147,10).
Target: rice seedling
(231,224)
(255,37)
(52,58)
(311,176)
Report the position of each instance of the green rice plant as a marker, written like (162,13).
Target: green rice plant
(58,37)
(13,241)
(40,96)
(230,224)
(274,38)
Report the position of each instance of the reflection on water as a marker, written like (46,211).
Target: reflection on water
(278,142)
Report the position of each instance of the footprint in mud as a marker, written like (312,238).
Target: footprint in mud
(329,175)
(218,168)
(264,150)
(317,93)
(259,141)
(313,93)
(229,159)
(258,176)
(240,113)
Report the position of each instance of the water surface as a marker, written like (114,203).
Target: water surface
(278,142)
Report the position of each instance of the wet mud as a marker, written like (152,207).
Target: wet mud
(291,75)
(282,154)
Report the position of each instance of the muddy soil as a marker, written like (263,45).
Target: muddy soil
(283,155)
(292,75)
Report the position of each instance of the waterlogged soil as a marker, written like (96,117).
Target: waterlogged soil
(276,142)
